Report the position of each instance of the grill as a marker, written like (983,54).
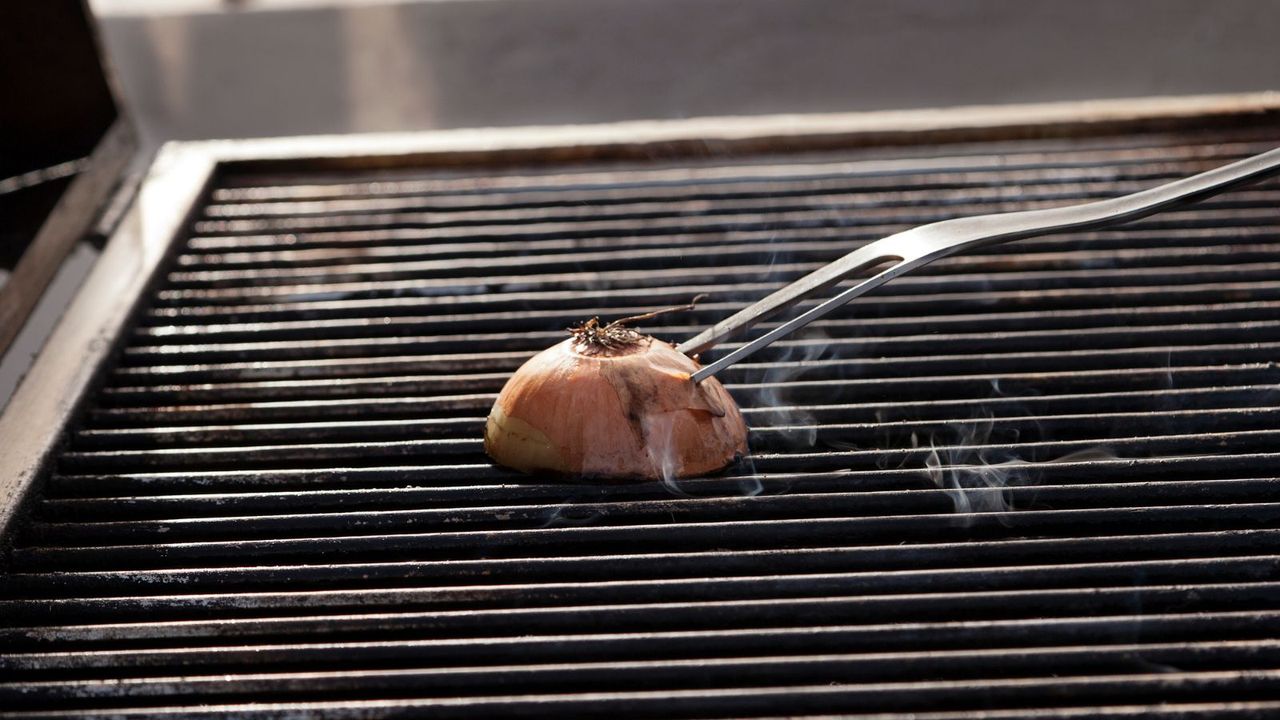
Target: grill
(1036,480)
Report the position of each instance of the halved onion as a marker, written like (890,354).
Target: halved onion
(612,403)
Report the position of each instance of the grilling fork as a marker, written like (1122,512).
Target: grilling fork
(922,245)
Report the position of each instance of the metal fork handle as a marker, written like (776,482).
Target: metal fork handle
(920,246)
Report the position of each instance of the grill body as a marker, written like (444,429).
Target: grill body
(1035,480)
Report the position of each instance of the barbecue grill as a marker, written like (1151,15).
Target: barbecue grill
(245,477)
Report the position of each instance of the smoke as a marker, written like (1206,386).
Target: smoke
(798,428)
(1168,370)
(659,438)
(978,476)
(765,387)
(774,394)
(983,487)
(660,444)
(569,514)
(770,392)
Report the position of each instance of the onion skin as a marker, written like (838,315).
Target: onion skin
(628,412)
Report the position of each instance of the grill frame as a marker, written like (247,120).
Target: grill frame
(648,587)
(179,180)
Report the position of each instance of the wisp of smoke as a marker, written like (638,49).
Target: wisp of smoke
(793,427)
(659,441)
(569,514)
(979,477)
(797,427)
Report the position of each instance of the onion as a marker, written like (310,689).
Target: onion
(612,403)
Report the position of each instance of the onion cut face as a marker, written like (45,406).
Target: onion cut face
(621,407)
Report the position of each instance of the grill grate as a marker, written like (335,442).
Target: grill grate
(277,503)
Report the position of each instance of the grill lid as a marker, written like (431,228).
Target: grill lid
(1034,480)
(64,148)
